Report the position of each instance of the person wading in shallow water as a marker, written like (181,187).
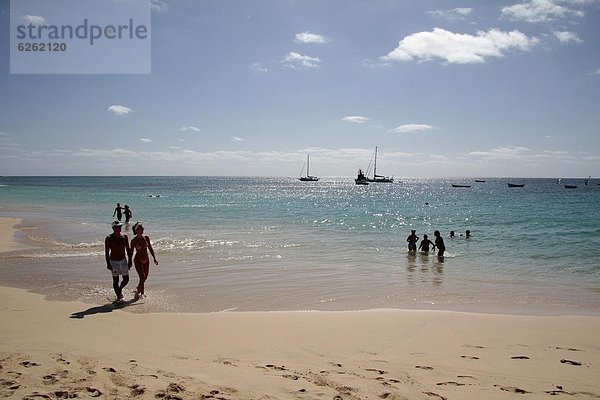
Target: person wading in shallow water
(439,243)
(141,244)
(116,250)
(412,240)
(118,212)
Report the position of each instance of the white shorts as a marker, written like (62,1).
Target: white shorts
(119,267)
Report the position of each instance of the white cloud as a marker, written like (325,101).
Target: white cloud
(410,128)
(119,110)
(258,68)
(189,128)
(307,37)
(503,153)
(453,14)
(456,48)
(538,11)
(237,139)
(145,140)
(158,5)
(295,60)
(356,119)
(566,37)
(34,19)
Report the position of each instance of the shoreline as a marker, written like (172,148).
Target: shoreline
(46,276)
(74,348)
(8,235)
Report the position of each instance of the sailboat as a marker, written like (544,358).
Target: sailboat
(308,177)
(379,178)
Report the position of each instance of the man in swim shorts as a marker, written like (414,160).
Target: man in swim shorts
(118,260)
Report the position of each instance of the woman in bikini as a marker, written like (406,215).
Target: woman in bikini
(140,244)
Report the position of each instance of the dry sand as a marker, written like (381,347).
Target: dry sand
(70,349)
(60,350)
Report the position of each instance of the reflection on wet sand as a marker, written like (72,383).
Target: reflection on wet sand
(425,264)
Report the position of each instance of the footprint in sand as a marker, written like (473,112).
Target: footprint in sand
(570,362)
(379,371)
(512,389)
(93,391)
(423,367)
(450,383)
(435,395)
(470,357)
(50,379)
(28,364)
(137,390)
(520,358)
(567,348)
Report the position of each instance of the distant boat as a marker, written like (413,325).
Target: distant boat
(479,180)
(361,179)
(516,184)
(570,186)
(587,181)
(308,177)
(460,186)
(379,178)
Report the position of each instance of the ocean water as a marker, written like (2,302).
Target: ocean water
(271,244)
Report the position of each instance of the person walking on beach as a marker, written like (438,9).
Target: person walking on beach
(425,243)
(439,243)
(118,212)
(128,214)
(141,244)
(412,240)
(118,260)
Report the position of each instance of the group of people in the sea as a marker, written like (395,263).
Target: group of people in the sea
(425,244)
(121,255)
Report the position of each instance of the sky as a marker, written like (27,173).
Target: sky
(250,87)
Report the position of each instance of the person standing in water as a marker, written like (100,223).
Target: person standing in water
(118,260)
(412,240)
(118,212)
(425,243)
(141,244)
(439,243)
(128,214)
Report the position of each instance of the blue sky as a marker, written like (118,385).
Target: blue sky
(248,88)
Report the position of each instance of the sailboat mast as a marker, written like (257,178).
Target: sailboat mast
(307,165)
(375,165)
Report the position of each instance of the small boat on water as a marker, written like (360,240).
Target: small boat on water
(570,186)
(460,186)
(516,184)
(479,181)
(379,178)
(308,177)
(361,179)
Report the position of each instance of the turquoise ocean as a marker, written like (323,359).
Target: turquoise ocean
(278,244)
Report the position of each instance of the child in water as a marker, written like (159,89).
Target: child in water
(425,243)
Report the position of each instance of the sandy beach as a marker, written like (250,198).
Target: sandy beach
(59,350)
